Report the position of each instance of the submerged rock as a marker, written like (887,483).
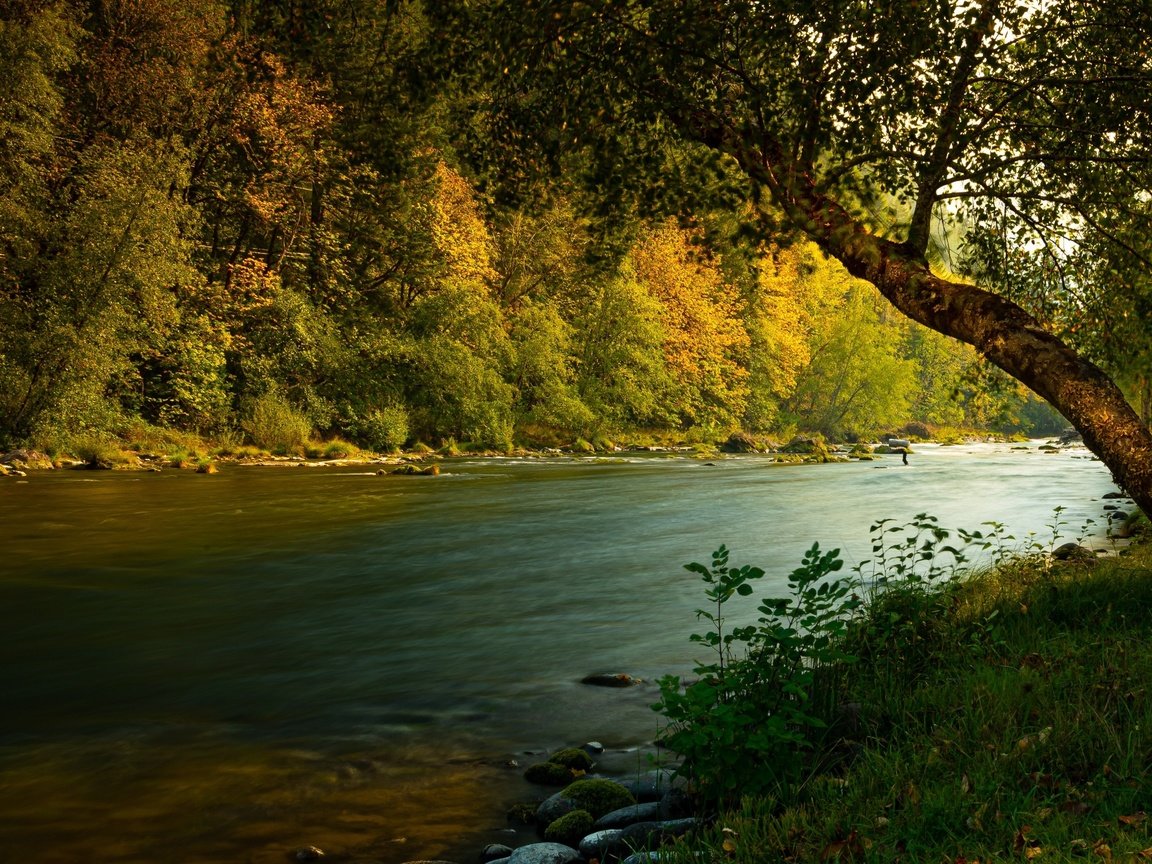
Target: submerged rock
(611,679)
(544,853)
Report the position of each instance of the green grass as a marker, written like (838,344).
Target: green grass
(1007,717)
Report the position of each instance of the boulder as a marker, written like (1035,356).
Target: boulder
(494,852)
(649,811)
(1113,495)
(600,844)
(569,828)
(596,795)
(618,842)
(572,757)
(33,459)
(1073,552)
(610,679)
(740,442)
(548,774)
(649,786)
(544,853)
(553,808)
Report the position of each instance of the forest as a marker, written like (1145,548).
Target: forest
(269,223)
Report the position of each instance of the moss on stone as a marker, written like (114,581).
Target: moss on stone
(572,757)
(598,797)
(570,828)
(548,774)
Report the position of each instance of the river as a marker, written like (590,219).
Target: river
(207,668)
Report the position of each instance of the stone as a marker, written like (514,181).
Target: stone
(569,828)
(610,679)
(649,811)
(544,853)
(572,757)
(1113,495)
(494,852)
(548,774)
(600,843)
(649,786)
(740,442)
(593,747)
(1073,552)
(553,808)
(32,459)
(642,858)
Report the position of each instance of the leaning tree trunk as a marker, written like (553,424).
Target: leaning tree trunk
(1000,330)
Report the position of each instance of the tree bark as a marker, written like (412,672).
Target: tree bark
(999,329)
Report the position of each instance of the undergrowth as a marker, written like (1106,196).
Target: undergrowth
(963,709)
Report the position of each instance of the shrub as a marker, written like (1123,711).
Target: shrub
(383,429)
(275,425)
(743,727)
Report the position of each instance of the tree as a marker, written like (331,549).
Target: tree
(864,126)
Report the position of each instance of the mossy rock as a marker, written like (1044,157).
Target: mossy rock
(548,774)
(598,797)
(522,814)
(861,449)
(572,757)
(570,828)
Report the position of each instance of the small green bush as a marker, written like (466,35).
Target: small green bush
(275,425)
(598,797)
(743,727)
(383,429)
(570,828)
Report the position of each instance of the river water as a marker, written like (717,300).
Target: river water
(225,667)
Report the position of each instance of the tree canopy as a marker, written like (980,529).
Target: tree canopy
(986,164)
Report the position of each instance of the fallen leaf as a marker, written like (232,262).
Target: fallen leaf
(1146,854)
(965,784)
(1103,850)
(1135,819)
(1033,852)
(729,845)
(1020,842)
(1076,808)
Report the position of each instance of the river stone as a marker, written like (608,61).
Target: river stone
(494,852)
(599,844)
(544,853)
(649,811)
(553,808)
(594,748)
(1073,552)
(652,785)
(610,679)
(1113,495)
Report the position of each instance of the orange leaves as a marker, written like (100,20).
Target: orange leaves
(705,343)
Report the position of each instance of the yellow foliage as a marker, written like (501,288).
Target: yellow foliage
(459,231)
(705,343)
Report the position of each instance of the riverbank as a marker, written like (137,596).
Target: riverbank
(192,453)
(1004,718)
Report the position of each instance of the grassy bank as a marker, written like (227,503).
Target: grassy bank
(1005,716)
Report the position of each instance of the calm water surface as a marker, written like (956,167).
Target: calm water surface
(222,668)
